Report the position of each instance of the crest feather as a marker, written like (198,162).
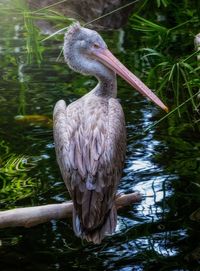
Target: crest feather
(72,29)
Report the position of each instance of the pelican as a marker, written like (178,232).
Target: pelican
(90,134)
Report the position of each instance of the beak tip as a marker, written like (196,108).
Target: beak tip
(166,109)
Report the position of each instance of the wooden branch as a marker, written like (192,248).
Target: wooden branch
(31,216)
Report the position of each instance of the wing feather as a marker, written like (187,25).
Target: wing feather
(90,143)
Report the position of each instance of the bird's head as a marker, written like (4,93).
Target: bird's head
(81,46)
(85,40)
(86,52)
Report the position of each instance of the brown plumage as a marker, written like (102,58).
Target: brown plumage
(90,135)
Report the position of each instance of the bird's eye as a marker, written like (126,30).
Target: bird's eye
(96,45)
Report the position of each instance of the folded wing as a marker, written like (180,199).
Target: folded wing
(90,143)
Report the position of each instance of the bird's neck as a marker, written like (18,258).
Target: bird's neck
(107,86)
(79,62)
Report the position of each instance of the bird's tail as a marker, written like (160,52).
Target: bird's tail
(97,234)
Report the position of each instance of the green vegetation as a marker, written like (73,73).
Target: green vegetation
(165,47)
(15,183)
(160,42)
(165,51)
(170,57)
(161,233)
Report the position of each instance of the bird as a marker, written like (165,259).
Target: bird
(90,134)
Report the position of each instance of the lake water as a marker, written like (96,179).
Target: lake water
(157,233)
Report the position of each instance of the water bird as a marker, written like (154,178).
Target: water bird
(90,134)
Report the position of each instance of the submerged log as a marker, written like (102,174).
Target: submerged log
(32,216)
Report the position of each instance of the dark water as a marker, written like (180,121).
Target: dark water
(155,234)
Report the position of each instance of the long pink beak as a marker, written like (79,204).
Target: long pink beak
(108,59)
